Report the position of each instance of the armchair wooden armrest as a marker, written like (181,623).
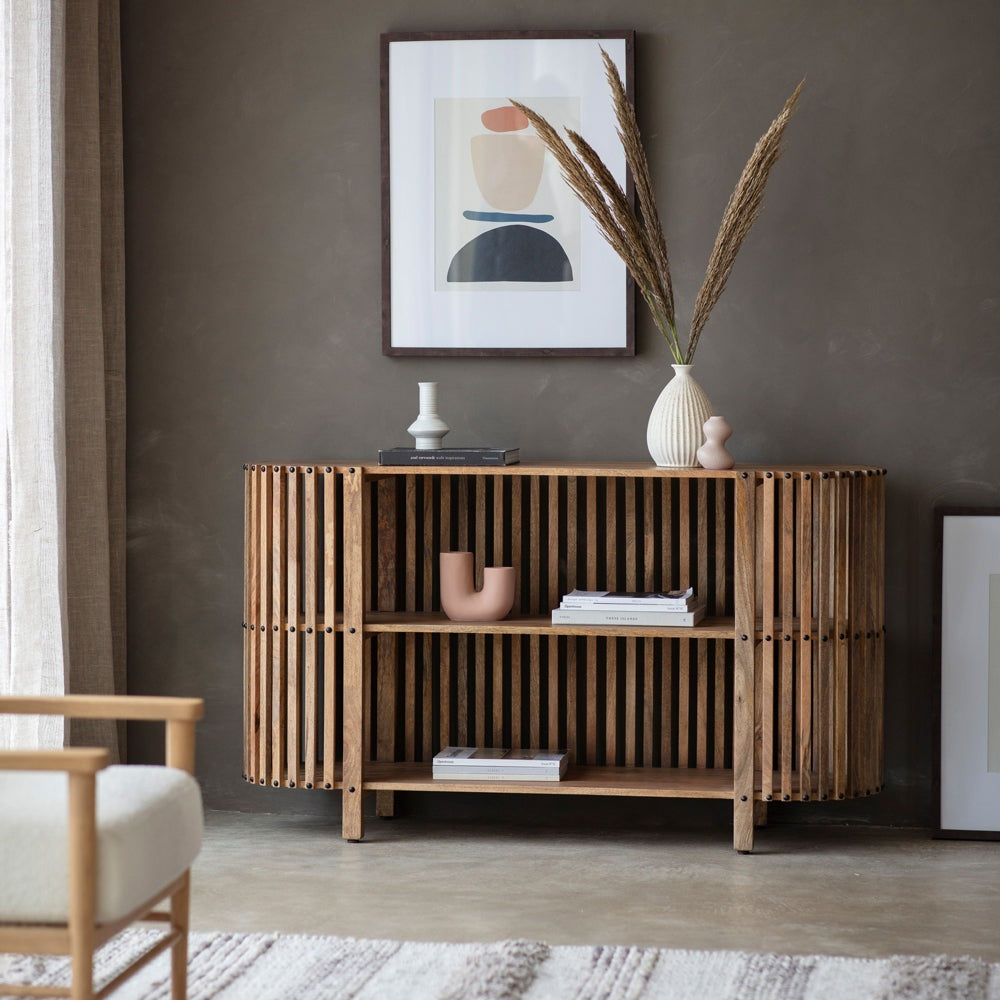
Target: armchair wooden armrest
(81,760)
(179,714)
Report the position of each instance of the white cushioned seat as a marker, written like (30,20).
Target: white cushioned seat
(149,829)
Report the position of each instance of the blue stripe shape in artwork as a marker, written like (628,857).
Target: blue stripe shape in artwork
(506,217)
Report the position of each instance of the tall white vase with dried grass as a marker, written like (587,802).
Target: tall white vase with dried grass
(674,432)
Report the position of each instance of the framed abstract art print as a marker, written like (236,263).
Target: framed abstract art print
(485,250)
(967,623)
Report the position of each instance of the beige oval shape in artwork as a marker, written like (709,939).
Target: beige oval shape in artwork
(508,168)
(508,119)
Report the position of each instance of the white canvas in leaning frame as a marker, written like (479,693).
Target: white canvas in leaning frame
(970,673)
(438,91)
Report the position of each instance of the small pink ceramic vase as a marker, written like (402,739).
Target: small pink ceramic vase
(712,454)
(460,600)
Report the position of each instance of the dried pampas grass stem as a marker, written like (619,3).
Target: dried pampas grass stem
(637,235)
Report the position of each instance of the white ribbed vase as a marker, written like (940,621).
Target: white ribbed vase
(428,429)
(674,433)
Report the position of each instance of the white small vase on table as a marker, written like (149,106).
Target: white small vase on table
(674,432)
(428,429)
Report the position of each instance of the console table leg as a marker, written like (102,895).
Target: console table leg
(385,804)
(354,655)
(759,813)
(743,826)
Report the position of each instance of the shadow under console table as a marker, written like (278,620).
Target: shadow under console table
(354,679)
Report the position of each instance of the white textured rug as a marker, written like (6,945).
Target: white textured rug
(278,966)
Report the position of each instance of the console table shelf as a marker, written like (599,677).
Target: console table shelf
(354,678)
(394,621)
(652,782)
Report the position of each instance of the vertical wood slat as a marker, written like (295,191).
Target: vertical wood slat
(630,702)
(311,624)
(648,584)
(744,744)
(331,518)
(253,620)
(701,646)
(879,624)
(767,569)
(385,645)
(480,644)
(278,649)
(825,574)
(611,644)
(721,520)
(500,521)
(870,635)
(571,583)
(591,642)
(520,600)
(448,735)
(294,681)
(552,593)
(409,672)
(839,637)
(430,556)
(787,569)
(665,646)
(857,655)
(354,520)
(805,604)
(535,599)
(683,516)
(266,569)
(861,686)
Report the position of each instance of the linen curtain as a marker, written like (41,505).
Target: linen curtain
(62,346)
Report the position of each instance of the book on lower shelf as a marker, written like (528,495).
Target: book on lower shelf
(449,456)
(635,617)
(499,764)
(667,600)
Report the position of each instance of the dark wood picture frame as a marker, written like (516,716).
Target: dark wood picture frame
(628,306)
(940,513)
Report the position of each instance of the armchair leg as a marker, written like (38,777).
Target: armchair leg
(82,986)
(180,905)
(82,883)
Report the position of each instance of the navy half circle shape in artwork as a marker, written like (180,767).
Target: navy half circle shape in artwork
(511,253)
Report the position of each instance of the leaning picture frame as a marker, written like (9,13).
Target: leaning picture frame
(967,702)
(485,250)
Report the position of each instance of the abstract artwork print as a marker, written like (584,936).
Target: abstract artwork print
(504,219)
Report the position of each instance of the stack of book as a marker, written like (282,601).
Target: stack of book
(449,456)
(671,608)
(497,764)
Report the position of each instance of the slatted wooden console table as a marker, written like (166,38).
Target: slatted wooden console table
(354,678)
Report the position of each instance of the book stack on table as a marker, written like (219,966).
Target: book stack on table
(498,764)
(671,608)
(449,456)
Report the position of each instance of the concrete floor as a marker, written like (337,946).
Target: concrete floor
(851,891)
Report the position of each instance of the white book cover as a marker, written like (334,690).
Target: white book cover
(500,757)
(628,616)
(669,600)
(499,764)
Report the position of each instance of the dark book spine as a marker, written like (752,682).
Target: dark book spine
(445,460)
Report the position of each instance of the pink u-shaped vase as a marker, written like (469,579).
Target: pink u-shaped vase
(460,600)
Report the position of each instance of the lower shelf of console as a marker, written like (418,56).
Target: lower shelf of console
(640,782)
(676,782)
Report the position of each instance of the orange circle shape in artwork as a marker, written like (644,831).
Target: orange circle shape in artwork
(506,119)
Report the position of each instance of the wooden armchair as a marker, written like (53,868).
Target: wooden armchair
(77,868)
